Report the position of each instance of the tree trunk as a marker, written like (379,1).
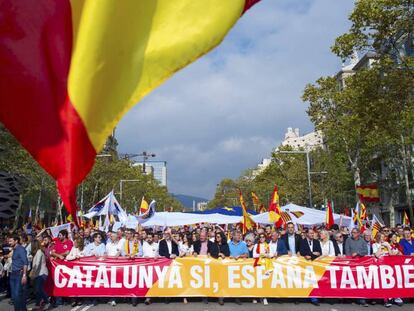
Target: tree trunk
(39,198)
(18,212)
(407,183)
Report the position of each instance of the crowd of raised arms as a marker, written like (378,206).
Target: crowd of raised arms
(23,256)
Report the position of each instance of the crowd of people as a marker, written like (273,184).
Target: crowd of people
(24,269)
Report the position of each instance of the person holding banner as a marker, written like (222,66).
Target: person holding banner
(339,245)
(291,239)
(310,248)
(277,246)
(150,250)
(383,248)
(168,248)
(238,249)
(62,245)
(60,250)
(77,250)
(113,247)
(407,243)
(327,246)
(96,248)
(202,246)
(355,246)
(131,247)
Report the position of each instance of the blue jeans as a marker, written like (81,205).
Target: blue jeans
(39,287)
(18,291)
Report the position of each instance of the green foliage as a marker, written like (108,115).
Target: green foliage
(104,177)
(330,180)
(379,26)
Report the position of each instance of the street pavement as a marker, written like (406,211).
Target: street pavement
(196,305)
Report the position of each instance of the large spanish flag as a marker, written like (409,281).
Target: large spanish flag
(70,69)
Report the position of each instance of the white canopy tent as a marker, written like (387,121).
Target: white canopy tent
(306,216)
(172,219)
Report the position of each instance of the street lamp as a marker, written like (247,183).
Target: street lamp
(309,173)
(120,186)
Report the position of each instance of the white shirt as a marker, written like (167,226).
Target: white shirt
(184,249)
(114,249)
(169,245)
(327,248)
(74,252)
(150,250)
(292,245)
(273,248)
(341,248)
(263,250)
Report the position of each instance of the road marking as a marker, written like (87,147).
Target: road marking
(85,308)
(75,308)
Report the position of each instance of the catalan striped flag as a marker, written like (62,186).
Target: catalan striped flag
(363,212)
(259,207)
(376,226)
(406,220)
(70,69)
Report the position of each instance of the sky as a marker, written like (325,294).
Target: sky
(226,112)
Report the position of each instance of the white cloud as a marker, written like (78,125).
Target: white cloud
(225,112)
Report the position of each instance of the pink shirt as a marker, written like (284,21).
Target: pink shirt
(203,249)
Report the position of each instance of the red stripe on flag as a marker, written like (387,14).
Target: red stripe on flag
(249,4)
(35,55)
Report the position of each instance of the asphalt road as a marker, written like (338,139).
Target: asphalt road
(197,305)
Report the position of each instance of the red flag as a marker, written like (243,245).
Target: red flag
(329,216)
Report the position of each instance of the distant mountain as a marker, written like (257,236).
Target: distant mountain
(187,200)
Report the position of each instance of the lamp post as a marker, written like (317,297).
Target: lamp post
(309,173)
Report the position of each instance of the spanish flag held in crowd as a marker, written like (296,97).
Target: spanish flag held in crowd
(275,211)
(143,207)
(70,69)
(247,221)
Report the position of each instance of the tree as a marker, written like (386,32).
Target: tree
(289,172)
(38,189)
(385,27)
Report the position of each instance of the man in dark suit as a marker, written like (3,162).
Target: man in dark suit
(339,244)
(310,248)
(291,239)
(203,246)
(168,248)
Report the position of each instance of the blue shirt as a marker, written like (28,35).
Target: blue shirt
(238,249)
(95,250)
(19,258)
(408,248)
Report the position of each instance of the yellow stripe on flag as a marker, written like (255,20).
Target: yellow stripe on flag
(124,49)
